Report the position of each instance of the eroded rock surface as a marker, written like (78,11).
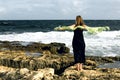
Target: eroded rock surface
(33,62)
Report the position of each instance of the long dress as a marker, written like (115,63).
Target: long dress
(78,45)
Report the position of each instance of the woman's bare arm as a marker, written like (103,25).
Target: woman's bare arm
(72,26)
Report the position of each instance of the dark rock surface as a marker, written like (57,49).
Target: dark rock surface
(54,48)
(38,61)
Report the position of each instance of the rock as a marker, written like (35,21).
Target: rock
(24,71)
(51,64)
(91,63)
(54,48)
(56,61)
(88,67)
(47,52)
(46,74)
(26,74)
(38,76)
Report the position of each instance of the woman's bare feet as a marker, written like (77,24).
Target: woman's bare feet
(79,66)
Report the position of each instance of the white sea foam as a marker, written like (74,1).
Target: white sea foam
(106,43)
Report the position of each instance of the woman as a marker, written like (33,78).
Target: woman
(79,44)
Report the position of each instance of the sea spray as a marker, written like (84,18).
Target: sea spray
(106,43)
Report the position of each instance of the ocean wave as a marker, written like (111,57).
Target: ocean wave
(106,43)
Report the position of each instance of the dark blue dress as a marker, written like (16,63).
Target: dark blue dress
(78,46)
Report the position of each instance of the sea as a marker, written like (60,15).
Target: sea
(106,43)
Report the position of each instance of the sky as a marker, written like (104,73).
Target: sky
(59,9)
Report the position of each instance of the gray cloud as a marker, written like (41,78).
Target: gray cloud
(59,9)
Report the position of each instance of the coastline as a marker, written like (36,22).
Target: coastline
(53,61)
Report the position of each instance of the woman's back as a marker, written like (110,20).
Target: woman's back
(78,39)
(78,34)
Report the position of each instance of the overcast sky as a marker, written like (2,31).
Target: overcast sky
(59,9)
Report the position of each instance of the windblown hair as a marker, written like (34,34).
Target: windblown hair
(79,21)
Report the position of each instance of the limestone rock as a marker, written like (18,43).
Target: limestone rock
(54,48)
(24,71)
(91,63)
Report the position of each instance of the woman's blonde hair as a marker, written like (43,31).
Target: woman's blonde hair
(79,21)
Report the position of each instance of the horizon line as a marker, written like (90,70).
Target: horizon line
(54,19)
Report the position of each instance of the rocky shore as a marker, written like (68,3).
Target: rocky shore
(38,61)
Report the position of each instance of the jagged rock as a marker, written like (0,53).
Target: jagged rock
(26,74)
(33,63)
(54,48)
(36,61)
(47,74)
(99,74)
(92,63)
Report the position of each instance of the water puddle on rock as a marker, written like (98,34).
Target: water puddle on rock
(25,43)
(115,64)
(33,54)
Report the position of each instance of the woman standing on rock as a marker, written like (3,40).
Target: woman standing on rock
(79,44)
